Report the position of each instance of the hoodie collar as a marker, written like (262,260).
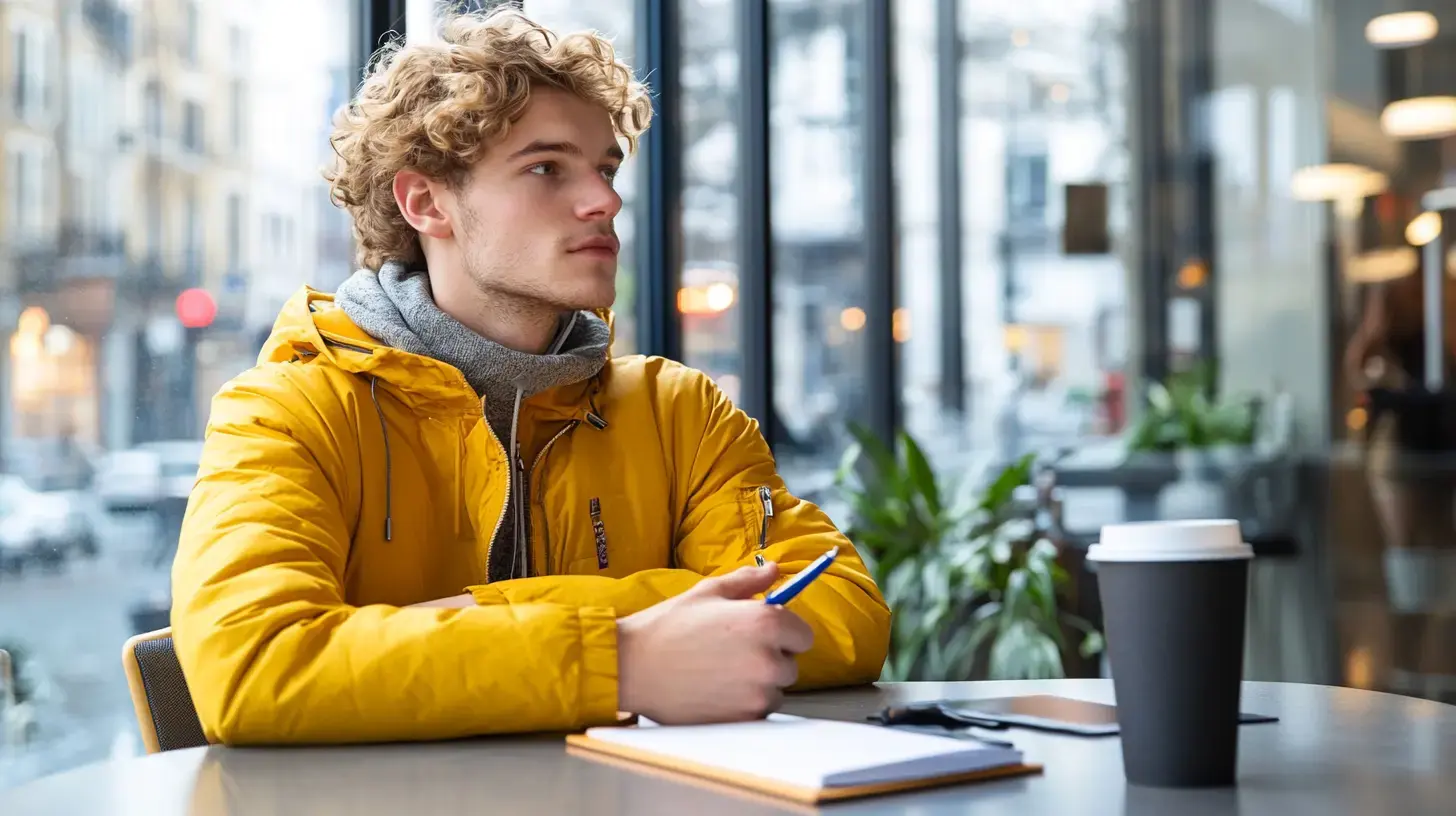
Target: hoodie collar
(312,325)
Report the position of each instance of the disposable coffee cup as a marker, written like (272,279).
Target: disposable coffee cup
(1173,598)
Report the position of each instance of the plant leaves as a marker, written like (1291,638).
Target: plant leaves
(1008,653)
(848,464)
(999,493)
(884,470)
(920,474)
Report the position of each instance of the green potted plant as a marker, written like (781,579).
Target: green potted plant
(973,582)
(1204,435)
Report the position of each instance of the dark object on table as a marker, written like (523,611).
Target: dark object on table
(1041,712)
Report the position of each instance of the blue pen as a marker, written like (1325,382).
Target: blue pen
(786,593)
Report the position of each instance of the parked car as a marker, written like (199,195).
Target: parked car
(43,528)
(138,478)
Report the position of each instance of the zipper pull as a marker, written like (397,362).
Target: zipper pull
(765,496)
(595,421)
(599,532)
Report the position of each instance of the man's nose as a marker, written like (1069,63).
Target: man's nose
(599,201)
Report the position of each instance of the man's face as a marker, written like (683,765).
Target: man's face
(534,219)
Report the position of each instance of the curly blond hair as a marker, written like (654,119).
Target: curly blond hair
(436,107)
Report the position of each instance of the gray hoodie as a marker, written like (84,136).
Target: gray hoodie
(396,307)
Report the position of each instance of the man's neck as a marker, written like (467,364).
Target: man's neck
(511,322)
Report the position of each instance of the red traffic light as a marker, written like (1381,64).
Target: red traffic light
(196,308)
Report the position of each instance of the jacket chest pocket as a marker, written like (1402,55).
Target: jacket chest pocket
(604,532)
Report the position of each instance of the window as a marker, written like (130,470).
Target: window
(30,70)
(234,230)
(1026,186)
(238,115)
(95,372)
(155,223)
(30,199)
(615,19)
(192,132)
(238,47)
(819,285)
(16,182)
(152,102)
(192,248)
(191,32)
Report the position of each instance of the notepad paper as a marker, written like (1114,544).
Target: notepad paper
(809,753)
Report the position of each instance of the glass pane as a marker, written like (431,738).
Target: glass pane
(147,150)
(1044,126)
(917,321)
(708,299)
(819,285)
(615,19)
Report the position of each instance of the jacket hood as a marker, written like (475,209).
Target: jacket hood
(311,324)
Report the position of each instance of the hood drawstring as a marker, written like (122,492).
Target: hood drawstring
(388,465)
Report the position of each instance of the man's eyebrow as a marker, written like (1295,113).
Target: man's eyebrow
(569,148)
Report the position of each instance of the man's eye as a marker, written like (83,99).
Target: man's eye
(609,173)
(542,169)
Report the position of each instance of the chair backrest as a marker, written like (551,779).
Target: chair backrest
(164,709)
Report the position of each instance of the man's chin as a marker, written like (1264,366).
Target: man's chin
(587,301)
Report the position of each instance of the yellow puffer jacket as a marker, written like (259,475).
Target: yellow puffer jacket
(343,480)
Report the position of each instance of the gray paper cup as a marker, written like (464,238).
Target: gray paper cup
(1173,599)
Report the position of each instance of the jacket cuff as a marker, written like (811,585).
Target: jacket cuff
(598,700)
(486,595)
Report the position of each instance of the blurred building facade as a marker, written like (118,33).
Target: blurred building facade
(151,148)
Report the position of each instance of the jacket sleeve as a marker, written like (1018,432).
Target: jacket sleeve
(725,466)
(273,653)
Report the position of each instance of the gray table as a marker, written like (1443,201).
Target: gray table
(1336,751)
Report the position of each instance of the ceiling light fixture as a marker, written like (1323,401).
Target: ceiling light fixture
(1402,30)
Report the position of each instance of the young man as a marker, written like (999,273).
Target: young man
(436,508)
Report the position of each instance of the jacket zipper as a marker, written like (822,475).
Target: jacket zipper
(480,413)
(539,456)
(347,346)
(765,496)
(523,535)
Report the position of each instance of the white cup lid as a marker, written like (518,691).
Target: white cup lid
(1195,540)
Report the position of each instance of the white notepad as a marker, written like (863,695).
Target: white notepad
(815,754)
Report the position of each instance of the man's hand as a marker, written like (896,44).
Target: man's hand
(711,654)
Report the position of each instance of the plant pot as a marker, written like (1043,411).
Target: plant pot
(1214,463)
(1198,465)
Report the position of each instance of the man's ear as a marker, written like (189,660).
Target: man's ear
(421,201)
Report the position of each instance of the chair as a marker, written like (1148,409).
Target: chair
(164,710)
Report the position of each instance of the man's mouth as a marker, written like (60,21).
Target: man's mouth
(597,245)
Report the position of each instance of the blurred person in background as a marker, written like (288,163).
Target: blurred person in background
(1411,432)
(438,507)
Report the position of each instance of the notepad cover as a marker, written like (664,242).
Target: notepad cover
(683,756)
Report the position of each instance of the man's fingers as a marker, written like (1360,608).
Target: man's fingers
(788,670)
(740,584)
(793,634)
